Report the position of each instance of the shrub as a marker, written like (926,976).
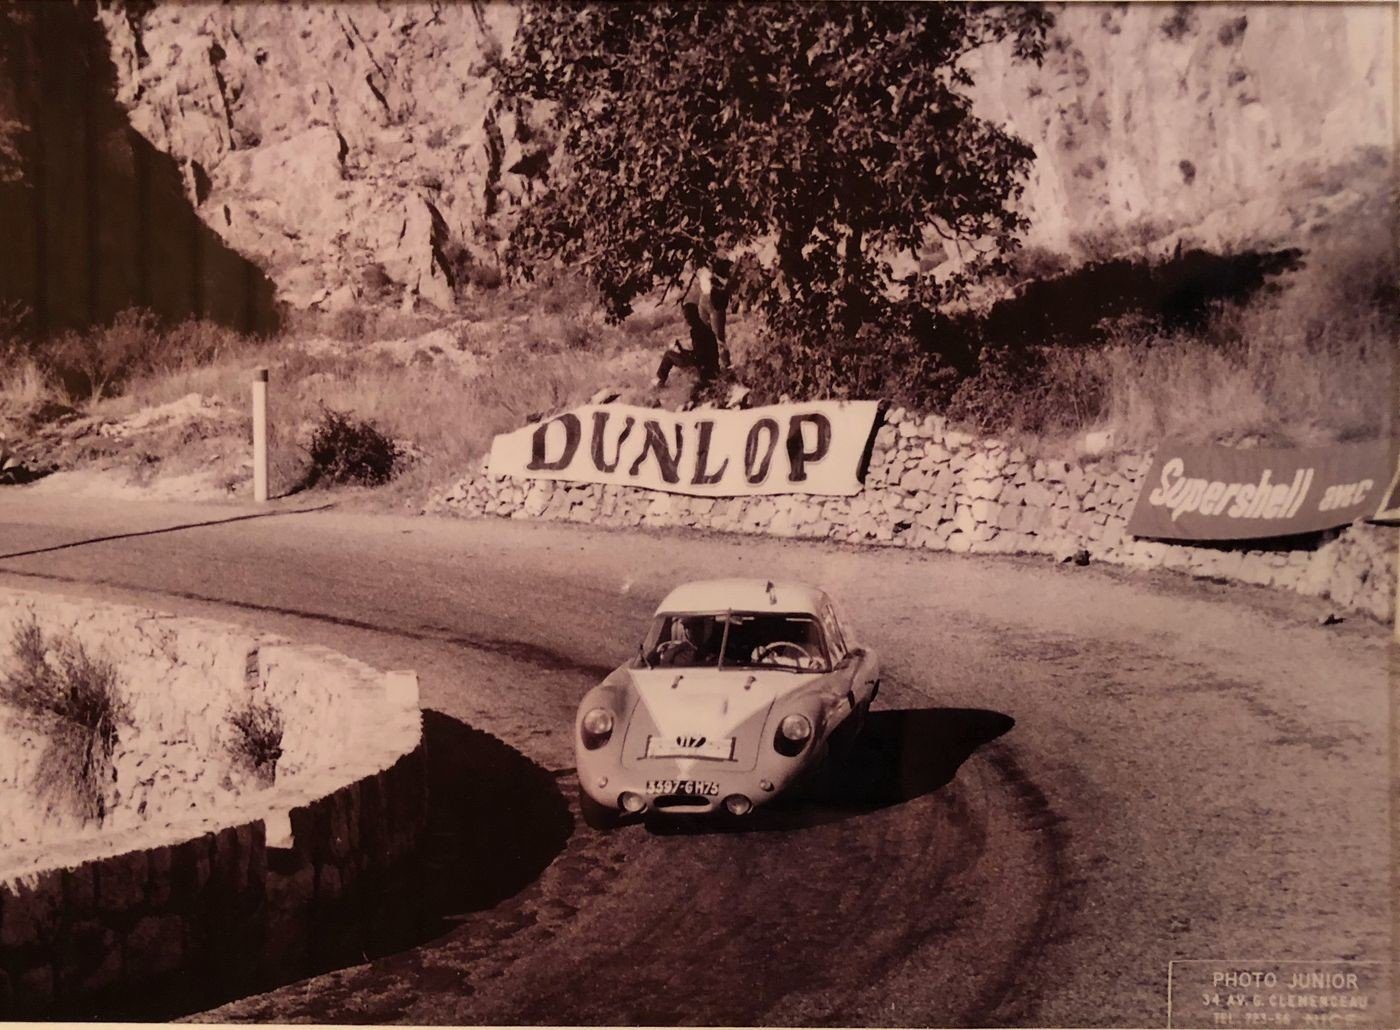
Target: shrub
(884,359)
(376,284)
(344,449)
(101,361)
(353,324)
(14,321)
(94,363)
(74,699)
(465,270)
(257,737)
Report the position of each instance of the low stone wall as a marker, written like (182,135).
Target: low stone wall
(930,487)
(197,886)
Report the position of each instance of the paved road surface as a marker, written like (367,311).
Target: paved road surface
(1085,774)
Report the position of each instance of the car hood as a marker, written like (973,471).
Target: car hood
(712,703)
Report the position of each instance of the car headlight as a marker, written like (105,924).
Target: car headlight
(793,733)
(597,727)
(795,728)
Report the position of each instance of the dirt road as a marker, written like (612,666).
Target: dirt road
(1085,774)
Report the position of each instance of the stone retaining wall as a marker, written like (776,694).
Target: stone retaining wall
(930,487)
(206,892)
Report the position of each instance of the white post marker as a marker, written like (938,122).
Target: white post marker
(260,435)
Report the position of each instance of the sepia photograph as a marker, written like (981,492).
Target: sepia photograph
(681,513)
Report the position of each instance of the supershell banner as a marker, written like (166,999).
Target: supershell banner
(815,448)
(1231,493)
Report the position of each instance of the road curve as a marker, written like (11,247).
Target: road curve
(1073,776)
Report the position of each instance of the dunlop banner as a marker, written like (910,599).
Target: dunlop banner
(1231,493)
(815,448)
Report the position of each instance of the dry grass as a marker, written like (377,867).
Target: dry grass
(24,386)
(450,419)
(520,363)
(74,699)
(1267,377)
(1309,363)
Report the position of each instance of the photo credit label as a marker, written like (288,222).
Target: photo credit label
(1204,993)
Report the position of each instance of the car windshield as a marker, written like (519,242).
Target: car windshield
(736,640)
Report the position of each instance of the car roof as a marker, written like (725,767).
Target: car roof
(742,595)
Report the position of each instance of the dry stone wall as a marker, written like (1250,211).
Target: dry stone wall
(200,884)
(931,487)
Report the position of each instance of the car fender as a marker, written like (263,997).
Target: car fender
(615,694)
(824,701)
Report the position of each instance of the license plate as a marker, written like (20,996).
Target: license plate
(698,788)
(690,747)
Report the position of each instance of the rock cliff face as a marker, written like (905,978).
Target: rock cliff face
(348,148)
(1231,125)
(356,148)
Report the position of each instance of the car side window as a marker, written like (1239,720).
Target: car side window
(834,637)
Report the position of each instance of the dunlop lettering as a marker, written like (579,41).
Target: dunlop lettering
(798,456)
(600,422)
(756,469)
(814,447)
(573,431)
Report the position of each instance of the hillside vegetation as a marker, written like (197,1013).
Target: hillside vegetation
(1282,347)
(1209,253)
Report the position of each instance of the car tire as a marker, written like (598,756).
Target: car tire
(596,816)
(845,740)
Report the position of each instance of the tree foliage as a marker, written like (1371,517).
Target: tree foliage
(823,137)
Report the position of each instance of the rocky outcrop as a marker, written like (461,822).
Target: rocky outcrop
(1230,125)
(344,147)
(933,488)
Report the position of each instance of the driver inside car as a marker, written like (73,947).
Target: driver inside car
(686,646)
(792,645)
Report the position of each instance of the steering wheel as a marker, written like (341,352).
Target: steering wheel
(775,649)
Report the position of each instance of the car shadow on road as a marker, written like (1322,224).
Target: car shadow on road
(900,755)
(496,820)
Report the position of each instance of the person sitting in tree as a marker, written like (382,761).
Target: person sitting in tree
(704,307)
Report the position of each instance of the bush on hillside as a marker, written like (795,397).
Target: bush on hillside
(345,449)
(74,699)
(101,361)
(95,363)
(256,743)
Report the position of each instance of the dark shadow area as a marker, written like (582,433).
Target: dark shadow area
(18,475)
(495,821)
(1074,309)
(1310,540)
(94,218)
(901,754)
(165,529)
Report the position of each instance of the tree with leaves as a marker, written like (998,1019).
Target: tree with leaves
(823,138)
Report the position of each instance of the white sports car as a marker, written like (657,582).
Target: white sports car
(734,694)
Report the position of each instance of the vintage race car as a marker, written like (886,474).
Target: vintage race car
(735,694)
